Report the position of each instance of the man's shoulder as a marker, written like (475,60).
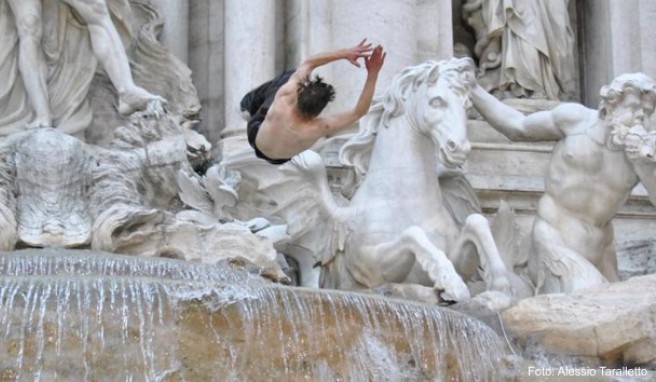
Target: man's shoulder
(572,110)
(572,114)
(287,92)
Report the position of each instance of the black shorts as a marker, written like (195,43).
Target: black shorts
(257,103)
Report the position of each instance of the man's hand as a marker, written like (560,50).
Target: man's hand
(362,50)
(374,62)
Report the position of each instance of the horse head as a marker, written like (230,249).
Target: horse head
(433,96)
(438,107)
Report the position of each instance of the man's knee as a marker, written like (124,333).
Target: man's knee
(30,26)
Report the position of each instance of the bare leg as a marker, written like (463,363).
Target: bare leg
(395,261)
(109,49)
(31,62)
(476,247)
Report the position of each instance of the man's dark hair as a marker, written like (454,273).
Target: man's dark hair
(313,96)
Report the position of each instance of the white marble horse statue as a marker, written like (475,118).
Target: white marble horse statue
(397,228)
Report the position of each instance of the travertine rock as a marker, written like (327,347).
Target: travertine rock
(615,322)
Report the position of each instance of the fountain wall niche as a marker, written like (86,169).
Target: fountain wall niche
(121,262)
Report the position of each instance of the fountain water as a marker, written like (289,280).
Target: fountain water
(84,315)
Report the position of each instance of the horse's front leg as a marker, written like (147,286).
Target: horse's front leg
(475,247)
(395,260)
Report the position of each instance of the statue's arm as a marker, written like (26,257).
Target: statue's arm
(540,126)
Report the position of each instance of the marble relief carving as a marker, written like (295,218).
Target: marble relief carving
(91,160)
(52,51)
(525,48)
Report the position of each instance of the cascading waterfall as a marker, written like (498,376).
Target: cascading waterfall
(82,315)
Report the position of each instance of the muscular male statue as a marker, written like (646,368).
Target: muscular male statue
(595,165)
(285,111)
(106,44)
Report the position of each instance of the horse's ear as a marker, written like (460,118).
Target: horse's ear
(432,71)
(433,74)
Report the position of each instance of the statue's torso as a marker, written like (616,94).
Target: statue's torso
(586,184)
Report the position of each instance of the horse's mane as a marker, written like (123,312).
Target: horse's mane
(459,72)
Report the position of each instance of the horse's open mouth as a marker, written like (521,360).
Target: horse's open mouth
(452,160)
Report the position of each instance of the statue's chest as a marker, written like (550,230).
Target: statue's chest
(582,153)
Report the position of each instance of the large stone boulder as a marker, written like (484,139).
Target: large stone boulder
(615,323)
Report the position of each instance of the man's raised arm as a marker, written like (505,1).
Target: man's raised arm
(362,50)
(343,120)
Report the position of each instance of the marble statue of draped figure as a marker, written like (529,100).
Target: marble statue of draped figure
(525,47)
(49,51)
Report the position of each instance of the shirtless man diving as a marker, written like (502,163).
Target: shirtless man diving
(595,164)
(285,111)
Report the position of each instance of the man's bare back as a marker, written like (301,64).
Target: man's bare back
(291,124)
(284,133)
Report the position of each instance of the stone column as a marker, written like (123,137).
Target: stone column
(647,16)
(309,31)
(434,26)
(175,34)
(618,38)
(389,22)
(624,36)
(249,42)
(206,58)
